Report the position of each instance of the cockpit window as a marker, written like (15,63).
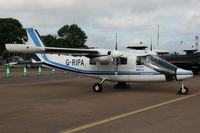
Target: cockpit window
(159,65)
(141,60)
(156,63)
(148,58)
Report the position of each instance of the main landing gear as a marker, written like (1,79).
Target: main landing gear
(121,85)
(98,86)
(183,90)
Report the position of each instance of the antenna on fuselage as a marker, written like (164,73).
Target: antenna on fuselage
(116,42)
(115,60)
(151,46)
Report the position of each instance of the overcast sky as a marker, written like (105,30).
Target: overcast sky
(134,21)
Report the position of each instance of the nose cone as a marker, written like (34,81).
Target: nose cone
(183,74)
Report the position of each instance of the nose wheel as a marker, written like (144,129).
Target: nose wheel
(97,87)
(183,90)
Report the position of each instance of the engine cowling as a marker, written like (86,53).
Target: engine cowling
(116,54)
(106,58)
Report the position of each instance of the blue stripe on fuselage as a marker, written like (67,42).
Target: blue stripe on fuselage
(184,73)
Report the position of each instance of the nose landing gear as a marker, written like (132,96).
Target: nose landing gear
(183,90)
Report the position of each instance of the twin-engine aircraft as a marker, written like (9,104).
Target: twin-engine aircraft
(106,65)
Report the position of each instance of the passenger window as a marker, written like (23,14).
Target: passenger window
(104,63)
(92,62)
(122,61)
(139,61)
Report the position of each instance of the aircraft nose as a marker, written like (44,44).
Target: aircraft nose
(183,74)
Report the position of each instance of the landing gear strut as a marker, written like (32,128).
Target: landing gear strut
(98,86)
(183,90)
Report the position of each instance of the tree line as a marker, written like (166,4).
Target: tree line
(68,36)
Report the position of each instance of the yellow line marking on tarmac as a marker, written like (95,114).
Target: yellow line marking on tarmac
(125,115)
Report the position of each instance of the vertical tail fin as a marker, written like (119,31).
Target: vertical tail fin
(34,37)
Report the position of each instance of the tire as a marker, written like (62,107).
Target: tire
(183,91)
(97,87)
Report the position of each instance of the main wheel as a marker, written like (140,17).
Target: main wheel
(97,87)
(121,85)
(183,91)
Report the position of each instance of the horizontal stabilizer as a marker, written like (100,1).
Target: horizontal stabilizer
(25,63)
(22,48)
(30,49)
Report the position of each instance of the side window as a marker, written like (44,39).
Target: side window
(104,63)
(92,62)
(139,61)
(122,61)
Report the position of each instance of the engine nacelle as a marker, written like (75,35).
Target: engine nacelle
(116,54)
(106,58)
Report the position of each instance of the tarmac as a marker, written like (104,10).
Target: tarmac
(66,103)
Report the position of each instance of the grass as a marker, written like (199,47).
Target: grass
(2,68)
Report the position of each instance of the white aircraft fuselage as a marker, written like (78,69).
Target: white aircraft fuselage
(106,65)
(126,72)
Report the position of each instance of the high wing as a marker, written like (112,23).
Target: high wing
(35,45)
(70,50)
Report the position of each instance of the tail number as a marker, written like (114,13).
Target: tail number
(74,62)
